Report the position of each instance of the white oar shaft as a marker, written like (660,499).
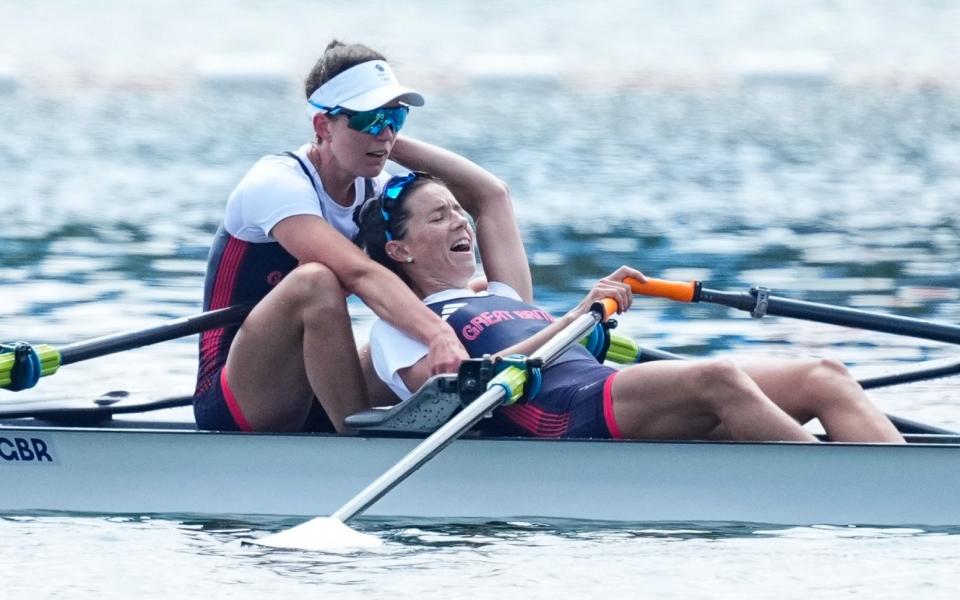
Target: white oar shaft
(460,423)
(426,450)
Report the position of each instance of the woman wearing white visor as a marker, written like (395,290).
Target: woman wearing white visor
(285,244)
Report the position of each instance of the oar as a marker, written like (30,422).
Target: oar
(924,371)
(325,533)
(760,302)
(51,359)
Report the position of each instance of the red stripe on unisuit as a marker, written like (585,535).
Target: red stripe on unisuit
(232,405)
(227,272)
(608,415)
(223,287)
(527,417)
(537,421)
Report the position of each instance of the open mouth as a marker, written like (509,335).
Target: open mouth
(461,245)
(377,154)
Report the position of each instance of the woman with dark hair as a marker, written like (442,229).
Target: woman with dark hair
(417,227)
(285,245)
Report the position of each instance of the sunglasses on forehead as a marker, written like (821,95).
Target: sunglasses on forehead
(391,192)
(370,121)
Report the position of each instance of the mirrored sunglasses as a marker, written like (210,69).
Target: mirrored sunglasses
(370,121)
(392,192)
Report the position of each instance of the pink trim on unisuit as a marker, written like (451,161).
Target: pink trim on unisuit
(608,407)
(232,405)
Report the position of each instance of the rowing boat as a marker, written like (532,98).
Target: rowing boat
(94,459)
(125,465)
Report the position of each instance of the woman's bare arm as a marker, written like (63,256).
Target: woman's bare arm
(487,199)
(611,286)
(311,239)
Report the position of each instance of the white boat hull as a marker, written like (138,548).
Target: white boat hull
(130,471)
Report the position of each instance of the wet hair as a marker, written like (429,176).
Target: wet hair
(372,237)
(337,58)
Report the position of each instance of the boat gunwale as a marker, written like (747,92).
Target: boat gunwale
(133,427)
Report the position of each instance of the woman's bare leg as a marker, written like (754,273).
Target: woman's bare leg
(824,389)
(297,343)
(690,399)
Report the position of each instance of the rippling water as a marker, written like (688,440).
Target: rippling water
(811,147)
(530,560)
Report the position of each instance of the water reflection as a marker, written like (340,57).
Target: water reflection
(837,194)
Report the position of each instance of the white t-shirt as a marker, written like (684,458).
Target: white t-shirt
(393,350)
(276,188)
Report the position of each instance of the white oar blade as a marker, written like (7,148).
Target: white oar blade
(321,533)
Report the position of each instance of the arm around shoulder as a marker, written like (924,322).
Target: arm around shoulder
(311,239)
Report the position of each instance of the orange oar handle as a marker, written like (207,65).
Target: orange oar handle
(681,291)
(609,307)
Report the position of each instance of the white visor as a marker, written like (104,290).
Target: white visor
(366,86)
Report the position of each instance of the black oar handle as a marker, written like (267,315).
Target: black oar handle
(177,328)
(760,302)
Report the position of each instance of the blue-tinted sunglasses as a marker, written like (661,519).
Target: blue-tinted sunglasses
(370,121)
(392,191)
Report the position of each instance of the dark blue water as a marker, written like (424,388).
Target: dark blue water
(810,147)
